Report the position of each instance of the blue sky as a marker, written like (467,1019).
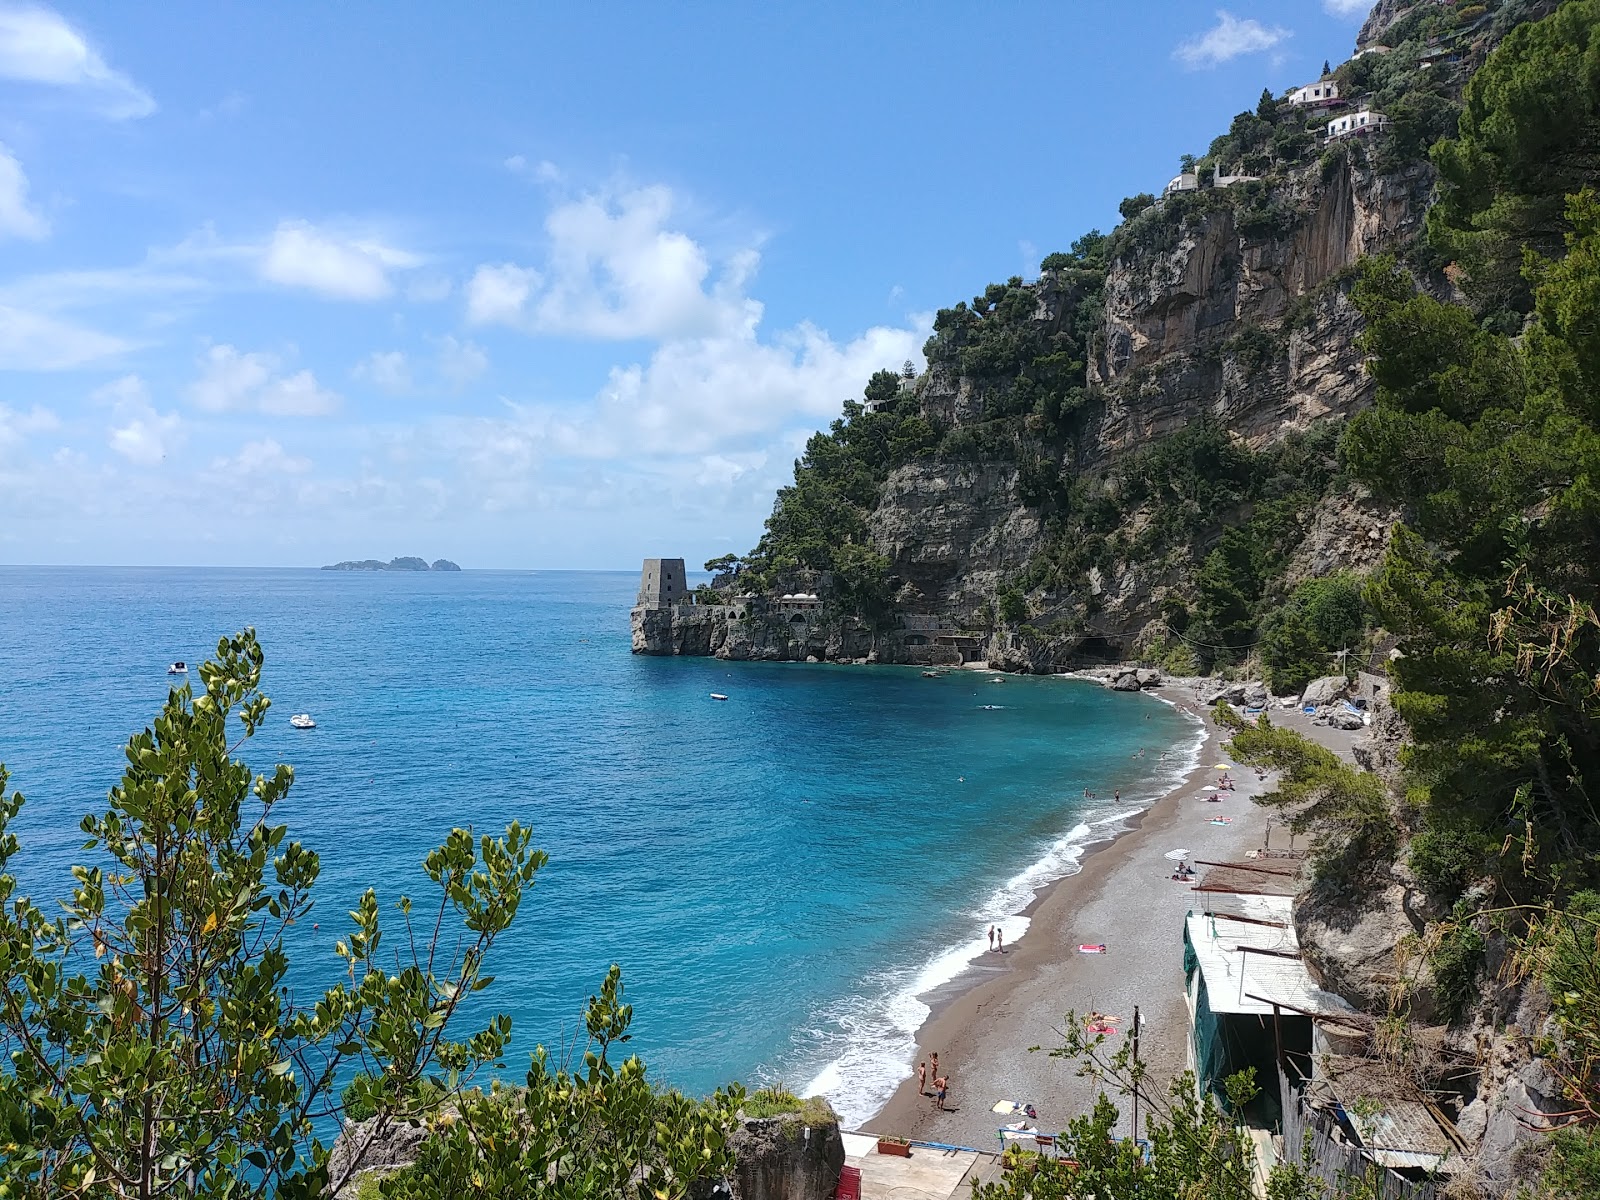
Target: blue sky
(532,285)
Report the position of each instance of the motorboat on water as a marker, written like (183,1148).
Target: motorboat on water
(718,696)
(178,668)
(302,721)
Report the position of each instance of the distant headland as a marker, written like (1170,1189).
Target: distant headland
(394,564)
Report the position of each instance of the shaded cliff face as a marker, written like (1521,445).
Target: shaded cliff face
(1218,317)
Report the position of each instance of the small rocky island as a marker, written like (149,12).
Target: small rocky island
(394,564)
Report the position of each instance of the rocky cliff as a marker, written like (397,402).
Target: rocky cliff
(1032,491)
(1246,324)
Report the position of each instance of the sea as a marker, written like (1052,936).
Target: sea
(783,876)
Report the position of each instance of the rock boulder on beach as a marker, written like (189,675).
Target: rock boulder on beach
(1325,690)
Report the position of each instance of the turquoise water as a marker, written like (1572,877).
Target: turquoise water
(779,875)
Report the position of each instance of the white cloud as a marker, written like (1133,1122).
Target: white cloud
(54,291)
(617,269)
(1348,8)
(17,219)
(298,395)
(146,440)
(388,370)
(140,434)
(35,341)
(38,46)
(231,381)
(15,425)
(543,171)
(703,395)
(263,457)
(228,379)
(1229,38)
(497,292)
(461,362)
(345,268)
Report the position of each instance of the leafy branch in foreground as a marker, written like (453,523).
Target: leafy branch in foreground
(152,1045)
(1196,1151)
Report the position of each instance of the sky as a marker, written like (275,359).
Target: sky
(533,285)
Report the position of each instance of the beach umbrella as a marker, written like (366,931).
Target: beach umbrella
(1176,855)
(1210,787)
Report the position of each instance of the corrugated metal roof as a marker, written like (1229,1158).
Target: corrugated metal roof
(1271,877)
(1393,1127)
(1250,964)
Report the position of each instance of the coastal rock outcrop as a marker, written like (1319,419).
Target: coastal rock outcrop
(793,1156)
(382,1149)
(403,563)
(788,1157)
(1325,691)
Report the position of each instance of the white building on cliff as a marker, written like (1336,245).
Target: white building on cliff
(1315,95)
(1356,124)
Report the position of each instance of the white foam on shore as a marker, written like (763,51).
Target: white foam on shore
(878,1026)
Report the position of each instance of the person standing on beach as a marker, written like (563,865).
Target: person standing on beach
(934,1059)
(1000,940)
(991,937)
(1119,797)
(922,1078)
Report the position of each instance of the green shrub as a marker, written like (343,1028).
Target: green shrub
(1455,960)
(1444,860)
(776,1100)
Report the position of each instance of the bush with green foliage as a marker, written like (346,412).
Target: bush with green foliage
(1344,809)
(1299,639)
(152,1046)
(1445,860)
(1525,144)
(602,1129)
(1196,1146)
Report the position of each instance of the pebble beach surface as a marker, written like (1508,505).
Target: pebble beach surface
(1125,898)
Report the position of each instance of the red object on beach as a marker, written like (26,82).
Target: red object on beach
(1088,949)
(849,1184)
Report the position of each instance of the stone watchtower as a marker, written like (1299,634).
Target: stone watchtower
(662,583)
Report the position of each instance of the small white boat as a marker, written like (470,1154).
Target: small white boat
(178,668)
(718,696)
(302,721)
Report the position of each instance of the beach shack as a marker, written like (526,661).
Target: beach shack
(1252,1001)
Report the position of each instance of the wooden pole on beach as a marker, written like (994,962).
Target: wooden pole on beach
(1136,1073)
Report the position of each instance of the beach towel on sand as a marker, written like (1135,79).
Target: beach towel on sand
(1088,949)
(1012,1108)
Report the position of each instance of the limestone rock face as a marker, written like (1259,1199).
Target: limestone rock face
(782,1158)
(955,532)
(768,636)
(1128,682)
(1325,690)
(1352,944)
(394,1146)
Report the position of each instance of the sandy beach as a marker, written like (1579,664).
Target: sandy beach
(983,1025)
